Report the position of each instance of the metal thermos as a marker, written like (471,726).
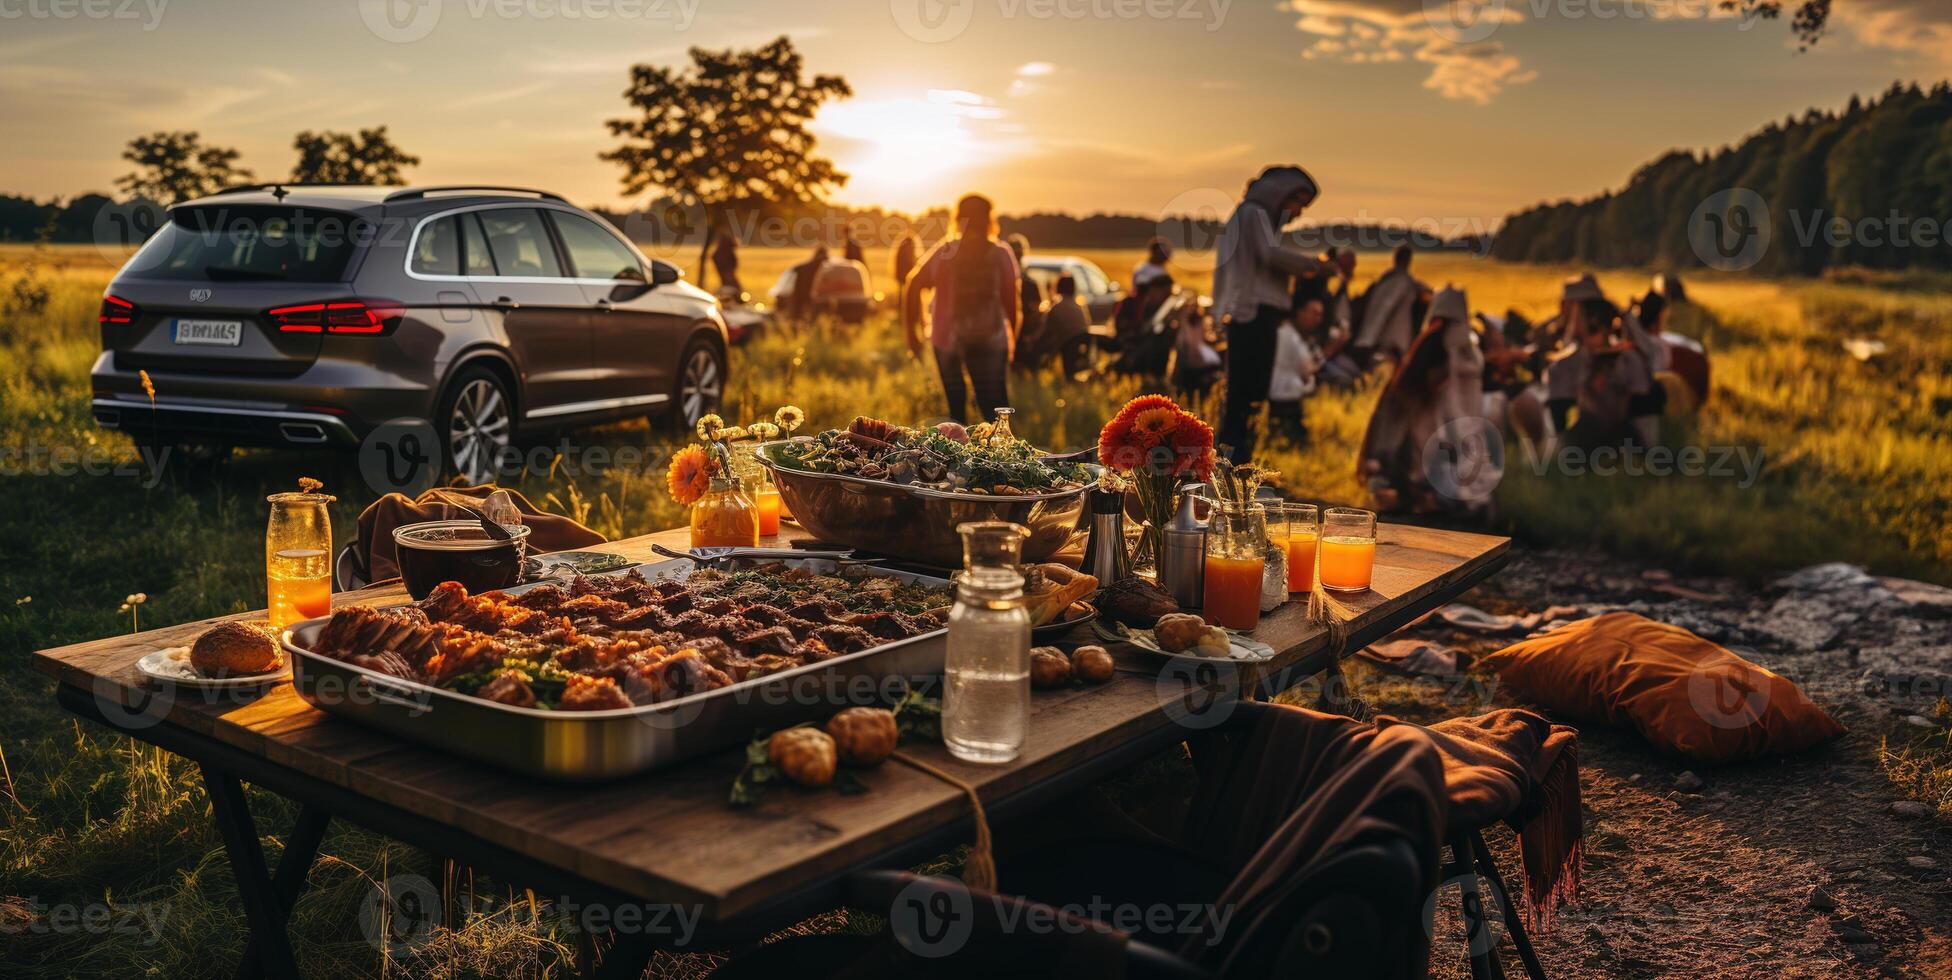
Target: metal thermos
(1182,554)
(1105,557)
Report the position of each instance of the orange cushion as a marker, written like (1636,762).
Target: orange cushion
(1681,692)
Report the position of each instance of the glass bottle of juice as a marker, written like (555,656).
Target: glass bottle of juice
(298,558)
(724,516)
(986,705)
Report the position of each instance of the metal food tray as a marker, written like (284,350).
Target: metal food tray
(599,745)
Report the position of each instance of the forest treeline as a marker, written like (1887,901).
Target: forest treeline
(1869,186)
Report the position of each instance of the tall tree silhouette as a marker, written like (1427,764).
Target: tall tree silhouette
(368,157)
(728,133)
(176,166)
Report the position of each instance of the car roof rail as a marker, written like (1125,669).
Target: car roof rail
(417,193)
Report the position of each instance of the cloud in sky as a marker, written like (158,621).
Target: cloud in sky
(1451,37)
(1922,27)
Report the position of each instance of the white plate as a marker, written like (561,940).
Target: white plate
(173,664)
(1240,649)
(208,333)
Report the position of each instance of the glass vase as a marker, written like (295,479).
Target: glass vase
(724,516)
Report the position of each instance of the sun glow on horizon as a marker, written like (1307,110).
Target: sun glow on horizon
(910,153)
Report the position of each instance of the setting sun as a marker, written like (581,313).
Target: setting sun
(910,153)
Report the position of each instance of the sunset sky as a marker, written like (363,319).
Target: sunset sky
(1139,106)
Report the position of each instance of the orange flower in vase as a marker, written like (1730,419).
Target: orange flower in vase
(1156,444)
(690,475)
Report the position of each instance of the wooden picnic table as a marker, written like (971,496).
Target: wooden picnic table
(668,838)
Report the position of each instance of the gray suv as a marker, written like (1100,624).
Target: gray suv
(292,315)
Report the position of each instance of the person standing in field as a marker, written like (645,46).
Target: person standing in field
(1251,293)
(851,248)
(725,261)
(1031,338)
(974,310)
(905,252)
(1068,327)
(1390,312)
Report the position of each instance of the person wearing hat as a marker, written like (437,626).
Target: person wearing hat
(1251,293)
(1421,446)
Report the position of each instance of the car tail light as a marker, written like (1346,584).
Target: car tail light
(116,310)
(345,316)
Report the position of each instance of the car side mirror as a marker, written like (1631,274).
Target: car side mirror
(664,274)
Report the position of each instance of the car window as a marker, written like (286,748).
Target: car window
(474,247)
(1094,280)
(437,252)
(594,252)
(520,243)
(250,243)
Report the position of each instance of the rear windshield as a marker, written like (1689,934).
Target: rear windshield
(215,243)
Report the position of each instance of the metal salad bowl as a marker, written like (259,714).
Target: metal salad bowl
(917,523)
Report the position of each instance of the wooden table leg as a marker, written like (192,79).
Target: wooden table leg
(294,865)
(262,907)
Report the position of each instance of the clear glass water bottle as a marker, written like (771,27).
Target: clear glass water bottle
(986,706)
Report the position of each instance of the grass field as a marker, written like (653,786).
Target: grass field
(1857,459)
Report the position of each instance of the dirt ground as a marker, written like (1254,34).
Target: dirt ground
(1807,866)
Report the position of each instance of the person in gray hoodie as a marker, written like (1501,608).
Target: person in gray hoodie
(1252,283)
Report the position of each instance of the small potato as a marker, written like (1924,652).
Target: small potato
(1178,631)
(805,755)
(864,736)
(1049,668)
(1092,664)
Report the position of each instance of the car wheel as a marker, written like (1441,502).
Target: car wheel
(477,421)
(701,382)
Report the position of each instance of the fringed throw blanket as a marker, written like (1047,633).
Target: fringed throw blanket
(1516,767)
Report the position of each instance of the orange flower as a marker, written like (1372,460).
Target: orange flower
(1153,433)
(690,475)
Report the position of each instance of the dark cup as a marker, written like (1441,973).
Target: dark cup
(433,552)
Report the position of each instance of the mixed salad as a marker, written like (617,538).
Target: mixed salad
(945,457)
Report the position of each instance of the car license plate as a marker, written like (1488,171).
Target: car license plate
(209,333)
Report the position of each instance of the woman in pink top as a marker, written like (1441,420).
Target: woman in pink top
(974,312)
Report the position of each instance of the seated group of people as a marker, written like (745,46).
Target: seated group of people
(1592,375)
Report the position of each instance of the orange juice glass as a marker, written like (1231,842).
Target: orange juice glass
(1347,554)
(297,558)
(769,506)
(1304,523)
(1236,543)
